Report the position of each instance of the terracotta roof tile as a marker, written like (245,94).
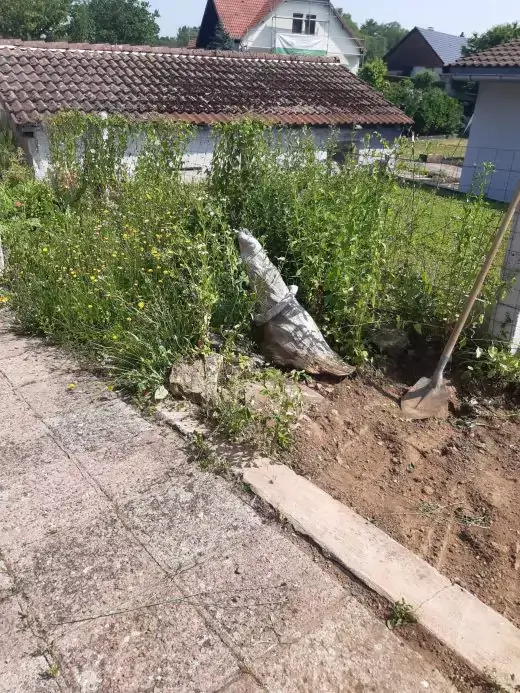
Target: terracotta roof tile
(38,79)
(238,16)
(502,56)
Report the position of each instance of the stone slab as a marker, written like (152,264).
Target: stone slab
(27,455)
(91,569)
(44,501)
(244,684)
(21,669)
(63,393)
(167,648)
(129,469)
(259,591)
(97,426)
(350,653)
(35,364)
(20,425)
(485,639)
(189,519)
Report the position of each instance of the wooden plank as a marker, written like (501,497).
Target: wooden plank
(483,638)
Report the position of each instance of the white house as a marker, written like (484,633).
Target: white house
(203,88)
(495,128)
(494,141)
(308,27)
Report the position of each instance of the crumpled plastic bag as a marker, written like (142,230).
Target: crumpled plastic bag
(290,335)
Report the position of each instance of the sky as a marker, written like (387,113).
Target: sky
(450,16)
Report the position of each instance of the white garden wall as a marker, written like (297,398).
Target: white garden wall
(198,157)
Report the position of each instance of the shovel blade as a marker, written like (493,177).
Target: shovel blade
(424,400)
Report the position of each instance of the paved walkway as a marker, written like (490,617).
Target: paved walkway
(125,569)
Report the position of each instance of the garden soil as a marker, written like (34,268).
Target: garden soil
(447,489)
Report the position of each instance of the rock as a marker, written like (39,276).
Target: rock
(197,381)
(160,394)
(428,490)
(257,395)
(390,340)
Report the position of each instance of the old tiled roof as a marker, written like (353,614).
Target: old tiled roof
(448,47)
(238,16)
(503,56)
(38,79)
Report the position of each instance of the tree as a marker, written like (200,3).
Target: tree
(380,38)
(375,73)
(33,19)
(113,21)
(184,35)
(221,40)
(433,111)
(425,79)
(493,37)
(349,22)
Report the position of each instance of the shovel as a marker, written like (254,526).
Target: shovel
(429,395)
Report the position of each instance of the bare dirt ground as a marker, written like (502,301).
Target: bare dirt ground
(446,489)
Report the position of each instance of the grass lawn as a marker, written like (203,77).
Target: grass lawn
(450,148)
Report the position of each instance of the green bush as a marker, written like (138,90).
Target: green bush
(363,249)
(134,276)
(136,271)
(433,111)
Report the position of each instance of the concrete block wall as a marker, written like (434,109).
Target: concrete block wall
(505,319)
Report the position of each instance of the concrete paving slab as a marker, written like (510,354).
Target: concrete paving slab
(245,684)
(349,653)
(61,394)
(190,519)
(20,425)
(167,648)
(18,458)
(22,670)
(14,344)
(129,469)
(91,569)
(97,426)
(6,582)
(483,638)
(259,591)
(46,500)
(35,364)
(143,582)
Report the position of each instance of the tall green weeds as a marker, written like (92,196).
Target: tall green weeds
(136,268)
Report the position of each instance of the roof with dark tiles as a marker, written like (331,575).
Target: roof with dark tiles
(447,46)
(506,55)
(202,87)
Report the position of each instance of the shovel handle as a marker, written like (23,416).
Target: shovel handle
(477,287)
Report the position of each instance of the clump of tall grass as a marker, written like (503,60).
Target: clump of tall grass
(364,249)
(136,270)
(124,261)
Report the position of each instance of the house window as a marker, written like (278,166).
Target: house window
(297,23)
(310,24)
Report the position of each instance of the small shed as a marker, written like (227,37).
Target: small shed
(423,49)
(199,87)
(495,132)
